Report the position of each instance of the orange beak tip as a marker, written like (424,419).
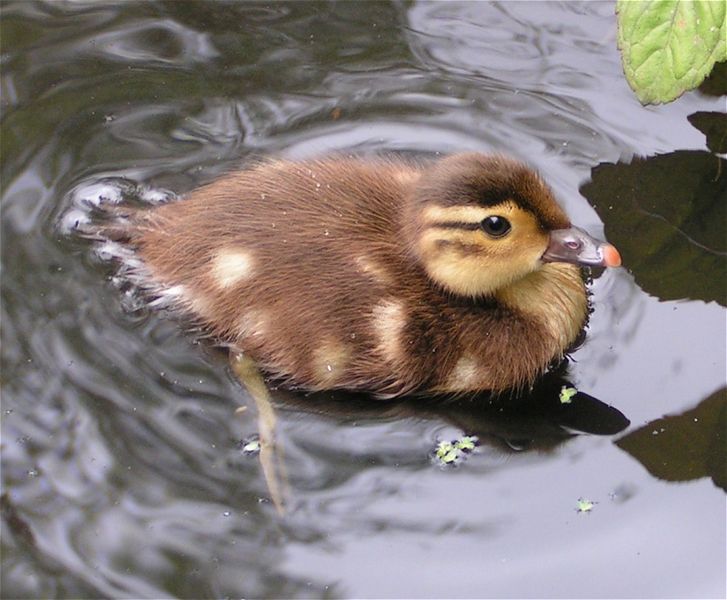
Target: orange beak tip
(611,256)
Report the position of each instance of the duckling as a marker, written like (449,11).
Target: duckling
(377,275)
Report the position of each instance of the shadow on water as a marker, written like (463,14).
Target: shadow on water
(685,447)
(667,216)
(540,419)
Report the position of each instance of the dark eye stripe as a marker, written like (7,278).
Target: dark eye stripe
(463,249)
(457,225)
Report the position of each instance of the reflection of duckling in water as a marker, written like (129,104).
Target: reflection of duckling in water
(377,276)
(372,275)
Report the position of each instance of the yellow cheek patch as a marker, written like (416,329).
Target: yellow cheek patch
(232,265)
(461,257)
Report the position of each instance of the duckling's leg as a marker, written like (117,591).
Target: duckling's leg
(271,456)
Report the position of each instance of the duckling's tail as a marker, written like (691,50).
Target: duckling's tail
(105,212)
(104,209)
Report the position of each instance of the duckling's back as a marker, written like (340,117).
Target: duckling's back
(296,264)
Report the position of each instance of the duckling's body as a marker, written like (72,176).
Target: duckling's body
(366,275)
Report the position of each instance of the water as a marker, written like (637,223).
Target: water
(122,470)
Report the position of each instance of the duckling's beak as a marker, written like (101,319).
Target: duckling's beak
(573,245)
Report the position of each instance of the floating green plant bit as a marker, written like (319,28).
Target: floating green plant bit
(584,506)
(251,447)
(466,443)
(450,452)
(446,452)
(443,448)
(566,394)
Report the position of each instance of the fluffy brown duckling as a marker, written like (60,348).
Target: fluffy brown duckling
(382,276)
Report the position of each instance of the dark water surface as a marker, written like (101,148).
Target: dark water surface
(121,470)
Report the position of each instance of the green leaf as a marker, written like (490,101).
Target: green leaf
(670,46)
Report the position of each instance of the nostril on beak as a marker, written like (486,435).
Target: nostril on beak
(573,244)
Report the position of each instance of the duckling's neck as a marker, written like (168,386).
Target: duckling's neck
(554,294)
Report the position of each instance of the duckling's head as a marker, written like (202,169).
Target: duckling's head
(479,223)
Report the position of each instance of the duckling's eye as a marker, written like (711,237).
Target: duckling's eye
(496,226)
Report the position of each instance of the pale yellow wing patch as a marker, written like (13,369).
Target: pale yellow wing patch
(388,323)
(232,265)
(369,267)
(253,324)
(330,360)
(467,374)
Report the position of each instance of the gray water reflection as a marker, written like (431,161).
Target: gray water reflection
(121,470)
